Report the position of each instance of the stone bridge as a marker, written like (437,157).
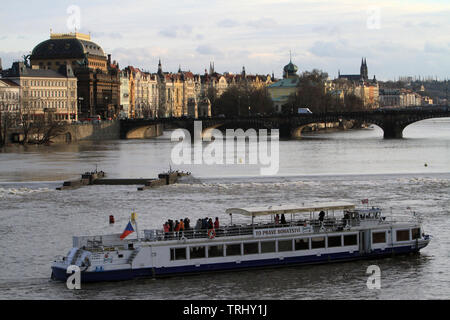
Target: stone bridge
(392,121)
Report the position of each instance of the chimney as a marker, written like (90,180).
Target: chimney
(109,60)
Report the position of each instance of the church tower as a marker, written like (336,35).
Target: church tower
(160,71)
(364,70)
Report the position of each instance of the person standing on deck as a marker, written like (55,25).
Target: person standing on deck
(177,228)
(210,224)
(277,219)
(181,228)
(166,230)
(216,223)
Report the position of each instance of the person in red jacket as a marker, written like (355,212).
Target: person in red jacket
(216,223)
(166,230)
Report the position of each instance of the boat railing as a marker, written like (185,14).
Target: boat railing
(330,224)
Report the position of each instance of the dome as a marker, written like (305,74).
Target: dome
(66,48)
(290,68)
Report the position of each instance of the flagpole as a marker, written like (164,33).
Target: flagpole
(134,220)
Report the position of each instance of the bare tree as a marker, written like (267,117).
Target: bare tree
(25,120)
(47,127)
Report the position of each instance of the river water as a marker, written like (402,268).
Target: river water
(37,222)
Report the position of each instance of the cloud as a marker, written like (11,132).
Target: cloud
(176,31)
(110,35)
(9,57)
(332,49)
(207,50)
(228,23)
(262,23)
(436,48)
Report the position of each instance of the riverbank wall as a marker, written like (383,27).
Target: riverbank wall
(105,130)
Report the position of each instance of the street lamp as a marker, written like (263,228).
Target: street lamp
(107,107)
(80,101)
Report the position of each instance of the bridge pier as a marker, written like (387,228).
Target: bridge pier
(393,131)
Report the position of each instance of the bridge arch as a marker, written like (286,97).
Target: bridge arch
(144,132)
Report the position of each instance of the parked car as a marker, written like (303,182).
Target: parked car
(304,111)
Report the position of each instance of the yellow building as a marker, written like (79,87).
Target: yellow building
(280,91)
(45,91)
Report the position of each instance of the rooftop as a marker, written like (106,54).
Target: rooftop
(288,209)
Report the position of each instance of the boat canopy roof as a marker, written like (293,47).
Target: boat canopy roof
(288,209)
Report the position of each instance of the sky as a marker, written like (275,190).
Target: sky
(397,37)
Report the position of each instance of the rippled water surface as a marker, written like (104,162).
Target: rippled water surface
(37,222)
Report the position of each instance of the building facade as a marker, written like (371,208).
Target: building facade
(9,96)
(98,79)
(360,85)
(281,90)
(44,90)
(399,98)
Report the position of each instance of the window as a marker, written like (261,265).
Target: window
(178,254)
(215,251)
(197,252)
(234,249)
(284,245)
(318,242)
(415,233)
(267,246)
(350,240)
(302,244)
(251,248)
(334,241)
(402,235)
(379,237)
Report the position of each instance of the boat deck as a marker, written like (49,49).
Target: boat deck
(311,226)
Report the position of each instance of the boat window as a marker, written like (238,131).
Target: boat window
(318,242)
(251,248)
(267,246)
(197,252)
(215,251)
(379,237)
(302,244)
(233,249)
(178,254)
(350,240)
(415,233)
(284,245)
(334,241)
(403,235)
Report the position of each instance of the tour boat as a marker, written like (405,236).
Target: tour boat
(306,234)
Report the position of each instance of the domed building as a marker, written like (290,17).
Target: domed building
(290,70)
(73,49)
(281,90)
(98,79)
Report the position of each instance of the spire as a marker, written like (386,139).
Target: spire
(160,71)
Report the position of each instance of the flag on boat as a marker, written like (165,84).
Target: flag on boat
(365,201)
(128,230)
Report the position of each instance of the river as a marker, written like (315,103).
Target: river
(38,222)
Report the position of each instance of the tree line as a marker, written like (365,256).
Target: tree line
(37,129)
(243,99)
